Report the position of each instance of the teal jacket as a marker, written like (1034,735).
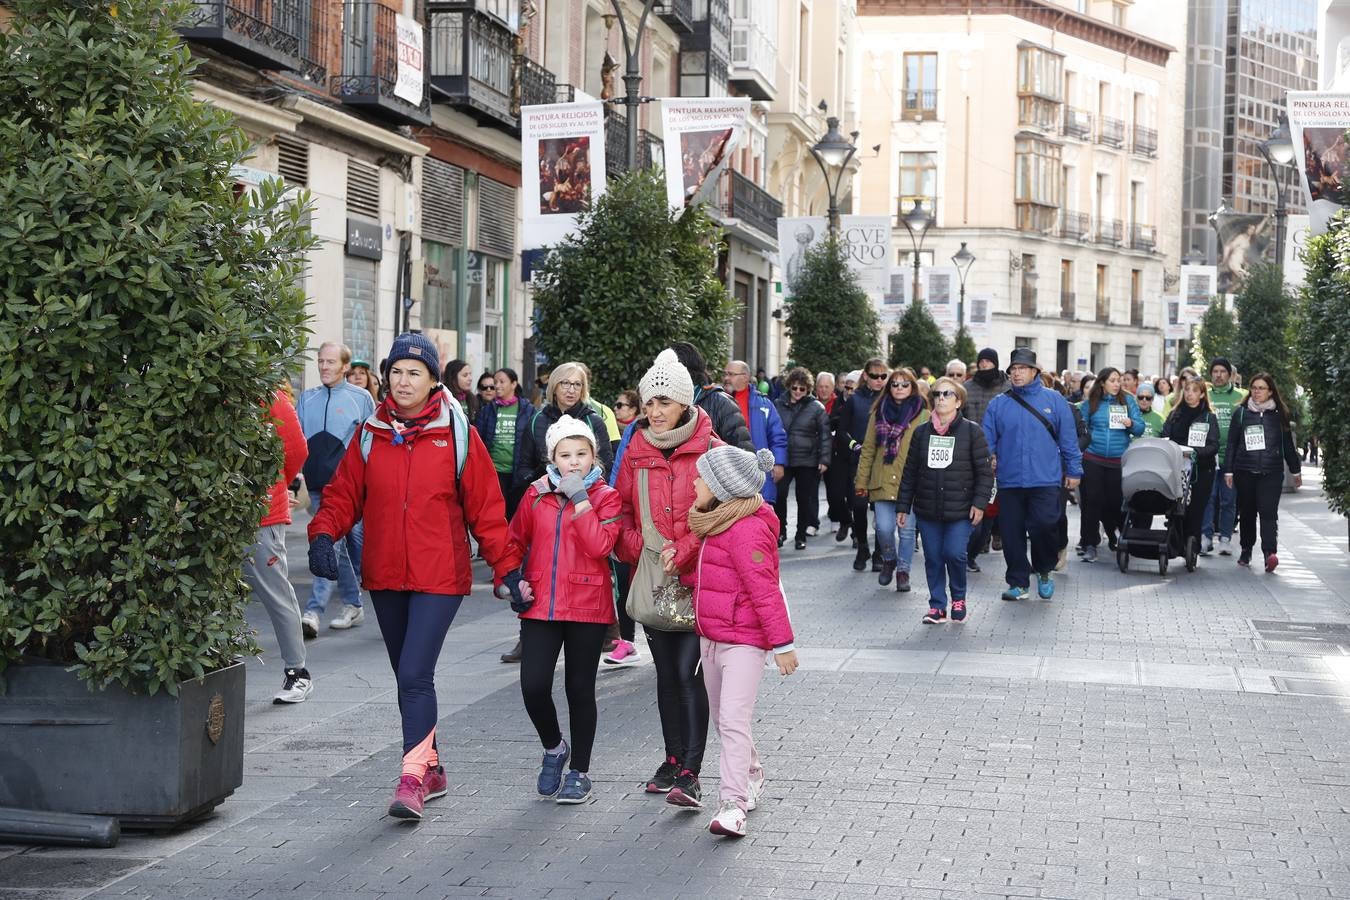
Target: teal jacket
(1109,442)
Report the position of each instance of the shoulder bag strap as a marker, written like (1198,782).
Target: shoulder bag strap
(1035,412)
(651,538)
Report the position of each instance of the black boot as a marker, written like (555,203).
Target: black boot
(860,560)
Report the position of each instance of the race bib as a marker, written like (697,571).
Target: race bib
(1254,436)
(940,451)
(1117,415)
(1198,434)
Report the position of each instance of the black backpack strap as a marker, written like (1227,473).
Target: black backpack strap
(1035,412)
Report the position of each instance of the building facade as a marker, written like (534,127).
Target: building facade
(1047,139)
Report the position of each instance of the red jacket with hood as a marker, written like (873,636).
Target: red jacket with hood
(295,451)
(417,519)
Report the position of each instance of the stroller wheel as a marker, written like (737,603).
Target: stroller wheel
(1123,559)
(1192,553)
(1162,564)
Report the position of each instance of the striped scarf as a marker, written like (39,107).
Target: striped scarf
(406,428)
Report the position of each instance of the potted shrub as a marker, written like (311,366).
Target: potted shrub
(149,309)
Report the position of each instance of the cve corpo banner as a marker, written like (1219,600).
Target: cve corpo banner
(866,240)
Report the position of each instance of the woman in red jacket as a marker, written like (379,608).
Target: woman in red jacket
(567,550)
(666,444)
(405,477)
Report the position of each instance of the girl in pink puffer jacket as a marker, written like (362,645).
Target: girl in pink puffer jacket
(740,613)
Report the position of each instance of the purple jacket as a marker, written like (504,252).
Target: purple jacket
(738,597)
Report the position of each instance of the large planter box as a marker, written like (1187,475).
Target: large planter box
(154,762)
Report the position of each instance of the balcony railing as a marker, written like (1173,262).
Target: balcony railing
(269,34)
(1110,131)
(1028,297)
(1068,304)
(565,93)
(471,55)
(1074,226)
(678,14)
(1137,312)
(1103,309)
(537,84)
(649,148)
(754,59)
(1143,237)
(1145,141)
(369,76)
(1077,124)
(1110,231)
(753,205)
(920,105)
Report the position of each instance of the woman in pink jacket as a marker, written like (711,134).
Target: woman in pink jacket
(740,613)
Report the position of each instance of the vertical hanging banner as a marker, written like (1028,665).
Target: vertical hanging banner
(867,241)
(1176,328)
(1318,124)
(940,285)
(980,318)
(1198,287)
(796,236)
(1299,229)
(896,299)
(562,158)
(411,63)
(699,137)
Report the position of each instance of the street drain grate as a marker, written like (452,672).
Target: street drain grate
(1308,686)
(1300,648)
(1316,638)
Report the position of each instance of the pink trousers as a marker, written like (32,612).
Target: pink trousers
(731,674)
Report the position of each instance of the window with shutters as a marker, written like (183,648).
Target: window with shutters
(293,161)
(496,218)
(363,189)
(442,202)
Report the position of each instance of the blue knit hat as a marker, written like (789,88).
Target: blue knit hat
(418,347)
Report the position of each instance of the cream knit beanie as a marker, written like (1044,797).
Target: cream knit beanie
(667,378)
(567,427)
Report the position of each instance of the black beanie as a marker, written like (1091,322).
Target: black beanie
(1222,361)
(990,354)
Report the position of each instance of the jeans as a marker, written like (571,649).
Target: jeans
(1226,499)
(349,566)
(944,553)
(732,673)
(886,529)
(681,698)
(1028,519)
(1258,495)
(580,642)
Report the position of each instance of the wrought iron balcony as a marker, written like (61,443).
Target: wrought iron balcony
(269,34)
(1143,237)
(1110,231)
(1068,304)
(369,78)
(678,14)
(1145,141)
(1110,131)
(471,54)
(565,93)
(649,148)
(1077,124)
(1103,309)
(754,206)
(920,105)
(537,84)
(1074,226)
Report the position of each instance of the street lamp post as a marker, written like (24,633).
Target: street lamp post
(963,259)
(833,153)
(917,222)
(1278,150)
(632,77)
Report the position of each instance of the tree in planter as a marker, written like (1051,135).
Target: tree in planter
(963,346)
(829,317)
(632,280)
(1322,345)
(917,341)
(1215,335)
(148,314)
(1262,340)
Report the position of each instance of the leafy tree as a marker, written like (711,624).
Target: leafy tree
(1215,335)
(917,341)
(633,279)
(148,315)
(830,319)
(1262,342)
(963,346)
(1322,345)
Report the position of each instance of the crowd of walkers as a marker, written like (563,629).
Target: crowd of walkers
(671,509)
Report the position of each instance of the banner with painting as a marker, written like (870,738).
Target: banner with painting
(980,318)
(1243,238)
(940,286)
(699,135)
(896,299)
(562,167)
(1175,328)
(1197,290)
(1320,127)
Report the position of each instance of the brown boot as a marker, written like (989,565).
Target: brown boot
(514,655)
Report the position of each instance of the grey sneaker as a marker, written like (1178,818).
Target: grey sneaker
(1089,554)
(309,624)
(296,687)
(576,788)
(350,617)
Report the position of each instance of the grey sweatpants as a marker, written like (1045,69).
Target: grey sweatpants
(266,573)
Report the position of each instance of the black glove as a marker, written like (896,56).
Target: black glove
(323,558)
(573,487)
(511,581)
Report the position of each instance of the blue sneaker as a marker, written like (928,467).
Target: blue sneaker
(1016,593)
(550,773)
(576,788)
(1045,586)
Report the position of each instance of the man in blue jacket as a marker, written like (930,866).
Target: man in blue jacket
(766,428)
(1033,444)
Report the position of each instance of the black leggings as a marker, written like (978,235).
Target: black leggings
(1101,498)
(623,576)
(808,498)
(1258,495)
(540,644)
(680,695)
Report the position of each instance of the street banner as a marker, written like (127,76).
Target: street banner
(896,298)
(699,137)
(562,167)
(940,285)
(409,81)
(1175,328)
(1299,229)
(1318,124)
(867,244)
(1243,238)
(1197,290)
(980,318)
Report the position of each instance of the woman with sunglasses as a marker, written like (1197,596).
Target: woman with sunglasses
(808,449)
(896,412)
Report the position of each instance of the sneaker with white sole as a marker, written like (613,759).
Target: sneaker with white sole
(434,783)
(729,821)
(1225,546)
(623,654)
(296,688)
(1206,546)
(309,624)
(350,617)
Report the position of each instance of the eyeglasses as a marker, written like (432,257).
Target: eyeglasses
(902,384)
(940,394)
(876,376)
(799,388)
(624,404)
(726,373)
(574,385)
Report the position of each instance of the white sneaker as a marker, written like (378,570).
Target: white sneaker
(296,687)
(1225,546)
(756,791)
(350,617)
(309,624)
(811,530)
(730,820)
(1062,562)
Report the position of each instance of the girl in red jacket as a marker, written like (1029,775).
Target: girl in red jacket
(740,613)
(565,527)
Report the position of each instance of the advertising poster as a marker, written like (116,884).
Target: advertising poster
(409,78)
(1298,230)
(980,318)
(1197,290)
(562,167)
(1318,124)
(1243,238)
(1175,328)
(866,239)
(940,286)
(896,298)
(699,137)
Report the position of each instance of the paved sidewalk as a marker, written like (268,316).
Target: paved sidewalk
(1137,736)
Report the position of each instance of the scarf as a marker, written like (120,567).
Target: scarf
(406,429)
(1265,406)
(554,476)
(892,421)
(512,402)
(987,378)
(676,436)
(1183,416)
(707,522)
(938,427)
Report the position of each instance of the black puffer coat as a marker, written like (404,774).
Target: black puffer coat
(808,431)
(532,449)
(947,494)
(727,421)
(1279,440)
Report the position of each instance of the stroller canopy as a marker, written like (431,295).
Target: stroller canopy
(1153,464)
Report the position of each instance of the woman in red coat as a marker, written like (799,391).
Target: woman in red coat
(666,444)
(405,477)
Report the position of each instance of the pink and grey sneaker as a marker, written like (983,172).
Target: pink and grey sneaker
(1271,562)
(958,610)
(408,799)
(935,616)
(623,654)
(434,783)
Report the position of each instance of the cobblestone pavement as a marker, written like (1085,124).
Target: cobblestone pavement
(1137,736)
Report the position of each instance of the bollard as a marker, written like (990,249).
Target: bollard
(29,826)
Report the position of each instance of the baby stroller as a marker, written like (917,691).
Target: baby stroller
(1155,480)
